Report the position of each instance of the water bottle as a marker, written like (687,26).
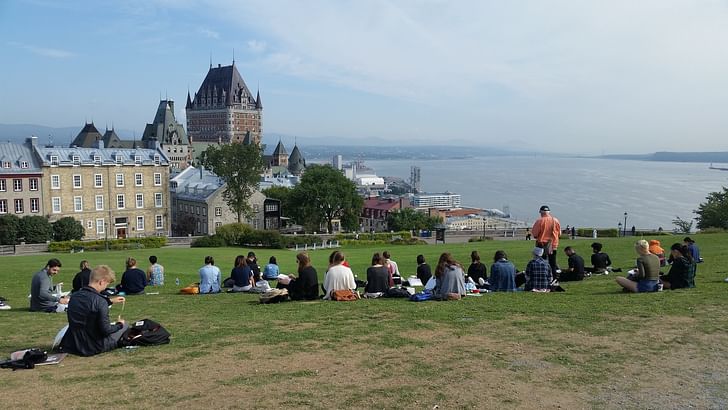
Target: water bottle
(177,281)
(660,286)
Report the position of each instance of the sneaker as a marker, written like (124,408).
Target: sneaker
(726,280)
(554,282)
(558,270)
(3,306)
(481,281)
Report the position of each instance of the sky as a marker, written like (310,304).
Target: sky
(567,76)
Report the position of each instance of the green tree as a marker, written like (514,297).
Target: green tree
(67,229)
(408,219)
(239,166)
(9,227)
(714,212)
(35,229)
(681,225)
(282,194)
(323,195)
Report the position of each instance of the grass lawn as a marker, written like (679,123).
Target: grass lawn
(590,347)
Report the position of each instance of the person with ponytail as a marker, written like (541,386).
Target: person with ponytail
(682,271)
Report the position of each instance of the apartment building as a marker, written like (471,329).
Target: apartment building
(21,190)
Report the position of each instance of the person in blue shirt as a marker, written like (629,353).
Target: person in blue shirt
(502,273)
(271,270)
(210,276)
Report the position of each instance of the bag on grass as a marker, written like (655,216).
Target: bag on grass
(145,332)
(193,289)
(228,283)
(24,359)
(397,293)
(274,296)
(344,295)
(421,297)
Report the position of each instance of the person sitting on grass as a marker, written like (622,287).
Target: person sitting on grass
(155,272)
(538,273)
(260,285)
(575,271)
(271,270)
(656,249)
(377,278)
(477,270)
(210,276)
(81,279)
(133,280)
(424,273)
(646,274)
(502,273)
(305,287)
(89,330)
(42,298)
(600,261)
(449,279)
(338,277)
(682,271)
(241,275)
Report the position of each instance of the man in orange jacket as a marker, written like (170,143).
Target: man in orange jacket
(546,231)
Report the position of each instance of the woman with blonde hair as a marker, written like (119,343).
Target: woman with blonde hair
(646,274)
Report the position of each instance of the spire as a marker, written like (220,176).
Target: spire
(210,60)
(189,100)
(258,103)
(233,55)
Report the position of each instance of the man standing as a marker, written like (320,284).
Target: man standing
(546,230)
(42,298)
(576,266)
(89,330)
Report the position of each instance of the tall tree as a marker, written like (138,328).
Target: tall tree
(35,229)
(325,194)
(9,227)
(408,219)
(714,212)
(239,166)
(67,228)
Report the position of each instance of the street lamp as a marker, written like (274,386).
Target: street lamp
(619,228)
(625,224)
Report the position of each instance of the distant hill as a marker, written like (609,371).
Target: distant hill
(17,133)
(718,157)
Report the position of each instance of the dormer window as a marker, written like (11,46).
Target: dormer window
(97,159)
(137,159)
(157,159)
(76,160)
(117,157)
(6,164)
(23,164)
(54,160)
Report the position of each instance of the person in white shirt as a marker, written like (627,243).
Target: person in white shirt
(394,276)
(338,277)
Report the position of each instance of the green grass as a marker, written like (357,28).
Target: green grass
(585,340)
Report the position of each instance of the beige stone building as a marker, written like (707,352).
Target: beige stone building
(113,192)
(21,190)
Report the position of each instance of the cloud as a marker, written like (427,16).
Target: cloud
(256,46)
(44,51)
(208,33)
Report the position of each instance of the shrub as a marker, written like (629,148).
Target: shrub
(9,227)
(480,239)
(213,241)
(116,244)
(713,230)
(234,234)
(601,233)
(67,229)
(35,229)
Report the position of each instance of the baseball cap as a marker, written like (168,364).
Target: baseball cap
(544,208)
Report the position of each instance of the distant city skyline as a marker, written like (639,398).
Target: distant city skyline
(559,76)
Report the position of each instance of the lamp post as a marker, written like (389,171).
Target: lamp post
(619,228)
(625,225)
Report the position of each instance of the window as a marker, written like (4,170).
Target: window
(119,180)
(98,181)
(271,207)
(18,206)
(55,182)
(138,179)
(33,183)
(117,157)
(218,224)
(140,200)
(77,204)
(204,211)
(3,185)
(17,185)
(97,159)
(140,223)
(3,206)
(157,179)
(23,164)
(56,204)
(218,211)
(138,159)
(159,222)
(100,226)
(157,159)
(34,205)
(89,224)
(256,208)
(77,181)
(6,164)
(54,160)
(76,160)
(99,202)
(158,201)
(120,201)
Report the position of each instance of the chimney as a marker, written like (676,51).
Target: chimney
(100,144)
(33,140)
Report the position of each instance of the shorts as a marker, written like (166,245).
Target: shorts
(645,285)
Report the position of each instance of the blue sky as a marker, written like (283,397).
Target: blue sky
(566,76)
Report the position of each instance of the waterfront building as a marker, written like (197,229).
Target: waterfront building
(199,206)
(375,211)
(436,200)
(21,182)
(171,136)
(224,110)
(113,192)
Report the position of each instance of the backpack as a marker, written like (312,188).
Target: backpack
(145,332)
(421,297)
(274,296)
(344,295)
(397,293)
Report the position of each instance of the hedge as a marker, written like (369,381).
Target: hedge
(601,233)
(114,244)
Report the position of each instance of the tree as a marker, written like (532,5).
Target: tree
(9,227)
(35,229)
(408,219)
(714,212)
(67,229)
(681,225)
(186,225)
(325,194)
(282,194)
(239,166)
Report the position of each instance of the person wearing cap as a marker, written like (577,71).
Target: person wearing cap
(656,249)
(546,230)
(538,273)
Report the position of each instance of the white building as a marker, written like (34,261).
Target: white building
(436,200)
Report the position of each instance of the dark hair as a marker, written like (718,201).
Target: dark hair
(209,260)
(377,259)
(499,255)
(303,261)
(596,246)
(568,248)
(153,259)
(53,262)
(688,239)
(83,265)
(445,260)
(239,261)
(251,253)
(331,257)
(337,257)
(474,256)
(420,259)
(130,262)
(386,254)
(683,249)
(273,260)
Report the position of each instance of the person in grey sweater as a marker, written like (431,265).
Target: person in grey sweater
(449,279)
(41,289)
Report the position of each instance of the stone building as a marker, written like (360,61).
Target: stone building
(375,212)
(90,137)
(113,192)
(199,206)
(224,110)
(171,136)
(21,182)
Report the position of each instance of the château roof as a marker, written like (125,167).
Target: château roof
(87,137)
(224,86)
(280,150)
(165,127)
(18,158)
(296,163)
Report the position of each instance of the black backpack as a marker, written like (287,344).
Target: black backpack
(145,333)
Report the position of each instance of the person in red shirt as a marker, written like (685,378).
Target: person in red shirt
(546,231)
